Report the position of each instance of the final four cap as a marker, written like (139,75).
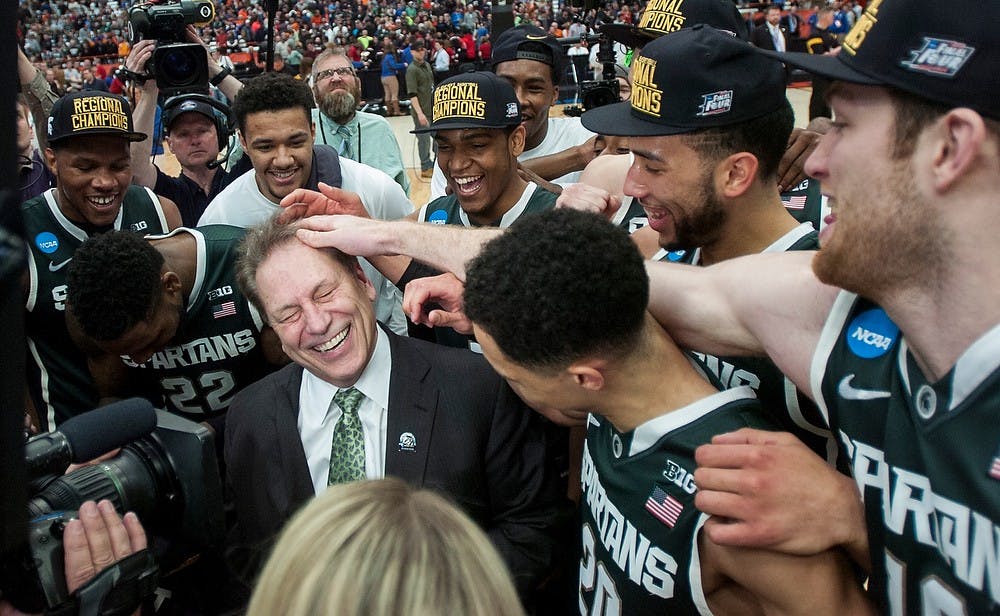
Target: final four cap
(693,79)
(473,100)
(665,16)
(946,52)
(91,113)
(527,43)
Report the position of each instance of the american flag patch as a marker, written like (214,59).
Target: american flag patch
(797,202)
(664,507)
(225,309)
(995,468)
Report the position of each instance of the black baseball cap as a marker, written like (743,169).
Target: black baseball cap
(527,43)
(183,107)
(665,16)
(91,112)
(695,78)
(473,100)
(946,52)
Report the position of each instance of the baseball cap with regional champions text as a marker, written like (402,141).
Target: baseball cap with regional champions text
(90,112)
(661,17)
(690,80)
(473,100)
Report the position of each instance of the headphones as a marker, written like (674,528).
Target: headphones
(225,124)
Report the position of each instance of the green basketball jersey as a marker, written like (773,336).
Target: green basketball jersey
(446,210)
(640,525)
(59,381)
(793,411)
(926,457)
(216,350)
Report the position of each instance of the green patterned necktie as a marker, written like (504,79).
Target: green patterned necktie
(347,456)
(345,143)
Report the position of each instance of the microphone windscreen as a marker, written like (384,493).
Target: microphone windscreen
(97,432)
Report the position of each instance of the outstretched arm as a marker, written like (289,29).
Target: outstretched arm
(447,248)
(764,304)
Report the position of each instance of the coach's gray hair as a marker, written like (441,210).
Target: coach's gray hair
(258,244)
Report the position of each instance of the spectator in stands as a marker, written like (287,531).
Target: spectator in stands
(391,66)
(442,62)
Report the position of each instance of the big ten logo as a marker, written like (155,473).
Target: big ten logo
(680,477)
(860,31)
(220,292)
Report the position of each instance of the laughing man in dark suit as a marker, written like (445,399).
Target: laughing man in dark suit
(436,417)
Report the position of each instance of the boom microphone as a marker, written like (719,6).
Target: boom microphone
(87,436)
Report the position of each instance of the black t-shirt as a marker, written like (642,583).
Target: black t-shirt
(191,200)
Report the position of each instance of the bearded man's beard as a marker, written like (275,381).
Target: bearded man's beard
(339,105)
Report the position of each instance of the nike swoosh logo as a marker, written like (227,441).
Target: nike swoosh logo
(849,392)
(55,267)
(535,37)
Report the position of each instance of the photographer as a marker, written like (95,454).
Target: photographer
(192,132)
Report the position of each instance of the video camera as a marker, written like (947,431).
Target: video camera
(169,477)
(178,67)
(605,91)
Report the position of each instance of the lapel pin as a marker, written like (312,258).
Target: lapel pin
(407,442)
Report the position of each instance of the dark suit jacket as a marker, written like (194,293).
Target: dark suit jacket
(761,37)
(792,30)
(476,442)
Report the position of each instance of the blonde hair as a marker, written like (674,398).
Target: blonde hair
(382,548)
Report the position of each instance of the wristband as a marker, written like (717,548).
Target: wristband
(221,76)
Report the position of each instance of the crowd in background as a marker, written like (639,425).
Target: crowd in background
(71,37)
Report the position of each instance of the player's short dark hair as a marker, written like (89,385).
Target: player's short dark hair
(258,243)
(272,92)
(766,137)
(557,287)
(113,283)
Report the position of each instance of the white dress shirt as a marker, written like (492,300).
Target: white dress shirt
(317,419)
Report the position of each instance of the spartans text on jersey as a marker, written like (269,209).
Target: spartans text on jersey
(200,351)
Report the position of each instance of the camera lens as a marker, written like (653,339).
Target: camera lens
(179,66)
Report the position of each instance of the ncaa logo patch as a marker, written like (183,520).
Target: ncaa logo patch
(676,255)
(438,217)
(938,57)
(716,103)
(47,242)
(871,334)
(512,111)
